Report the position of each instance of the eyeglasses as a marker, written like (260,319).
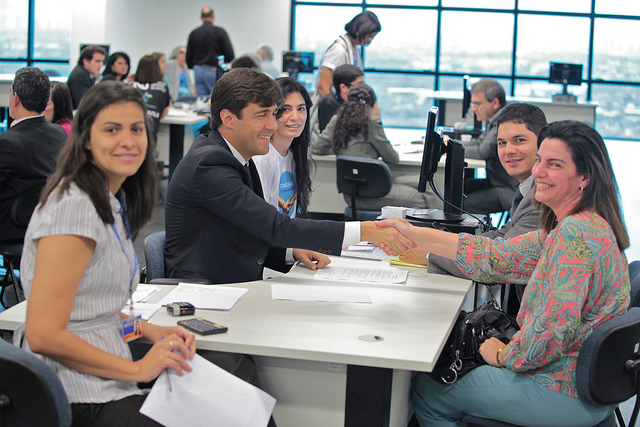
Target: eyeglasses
(478,104)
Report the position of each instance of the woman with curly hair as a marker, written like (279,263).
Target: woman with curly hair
(356,130)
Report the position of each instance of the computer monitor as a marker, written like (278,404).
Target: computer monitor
(565,74)
(466,97)
(434,148)
(466,103)
(297,62)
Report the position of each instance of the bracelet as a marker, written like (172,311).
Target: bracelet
(500,363)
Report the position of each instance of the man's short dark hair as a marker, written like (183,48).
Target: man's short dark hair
(347,74)
(241,87)
(33,87)
(88,52)
(491,89)
(527,114)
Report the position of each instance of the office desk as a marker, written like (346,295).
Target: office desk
(450,104)
(182,131)
(321,361)
(325,197)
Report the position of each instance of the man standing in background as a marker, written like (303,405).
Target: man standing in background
(205,44)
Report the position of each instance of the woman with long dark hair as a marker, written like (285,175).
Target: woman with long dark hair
(577,278)
(59,109)
(285,171)
(117,67)
(79,266)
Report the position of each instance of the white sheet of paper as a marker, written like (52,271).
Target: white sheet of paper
(320,293)
(143,309)
(144,292)
(206,396)
(205,296)
(377,275)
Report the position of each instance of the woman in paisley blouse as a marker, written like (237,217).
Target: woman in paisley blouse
(577,278)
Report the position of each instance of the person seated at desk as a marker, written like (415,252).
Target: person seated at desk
(494,193)
(518,127)
(59,110)
(83,76)
(28,149)
(577,278)
(344,76)
(285,170)
(179,75)
(148,80)
(117,68)
(79,266)
(356,130)
(218,225)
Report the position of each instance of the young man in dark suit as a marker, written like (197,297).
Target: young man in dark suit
(29,149)
(218,225)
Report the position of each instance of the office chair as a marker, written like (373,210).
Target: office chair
(359,177)
(20,213)
(153,273)
(607,369)
(30,392)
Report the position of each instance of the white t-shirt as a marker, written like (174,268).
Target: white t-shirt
(278,180)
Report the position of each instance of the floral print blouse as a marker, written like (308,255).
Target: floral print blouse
(576,278)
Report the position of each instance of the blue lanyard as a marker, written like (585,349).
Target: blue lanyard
(135,257)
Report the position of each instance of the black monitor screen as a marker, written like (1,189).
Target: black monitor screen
(466,97)
(567,74)
(297,62)
(432,150)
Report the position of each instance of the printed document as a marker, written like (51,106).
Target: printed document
(205,296)
(206,396)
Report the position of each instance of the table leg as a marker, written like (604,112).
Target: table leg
(176,146)
(368,397)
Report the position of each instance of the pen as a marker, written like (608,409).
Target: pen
(168,377)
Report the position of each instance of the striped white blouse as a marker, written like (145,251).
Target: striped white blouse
(102,292)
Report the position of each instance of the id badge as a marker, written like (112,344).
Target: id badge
(132,328)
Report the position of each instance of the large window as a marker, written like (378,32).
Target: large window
(35,33)
(428,45)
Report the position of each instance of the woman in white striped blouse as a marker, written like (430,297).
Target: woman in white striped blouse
(79,264)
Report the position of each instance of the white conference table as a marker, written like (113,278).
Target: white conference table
(325,197)
(330,364)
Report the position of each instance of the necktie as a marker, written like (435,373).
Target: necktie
(517,198)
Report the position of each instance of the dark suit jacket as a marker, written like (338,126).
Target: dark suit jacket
(79,82)
(28,155)
(220,228)
(524,220)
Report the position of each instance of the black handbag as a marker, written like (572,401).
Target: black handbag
(461,352)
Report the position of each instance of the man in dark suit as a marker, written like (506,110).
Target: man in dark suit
(83,76)
(218,225)
(29,149)
(517,129)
